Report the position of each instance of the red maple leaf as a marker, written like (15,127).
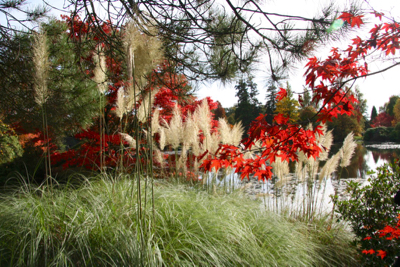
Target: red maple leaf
(281,94)
(381,253)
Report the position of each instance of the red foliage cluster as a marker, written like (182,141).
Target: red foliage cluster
(326,79)
(389,233)
(172,90)
(383,119)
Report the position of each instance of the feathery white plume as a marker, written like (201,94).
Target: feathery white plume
(147,103)
(100,69)
(155,124)
(131,141)
(42,65)
(330,166)
(120,104)
(347,150)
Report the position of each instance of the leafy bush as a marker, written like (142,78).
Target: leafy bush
(10,147)
(380,134)
(371,208)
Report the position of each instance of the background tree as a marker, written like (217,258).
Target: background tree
(396,112)
(388,106)
(219,112)
(342,125)
(10,147)
(230,114)
(72,100)
(248,107)
(270,106)
(383,119)
(307,115)
(360,106)
(288,106)
(306,98)
(374,113)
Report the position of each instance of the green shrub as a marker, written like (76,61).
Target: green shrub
(10,148)
(371,208)
(379,134)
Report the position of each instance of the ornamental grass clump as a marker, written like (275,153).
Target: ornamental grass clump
(96,224)
(192,138)
(41,75)
(311,177)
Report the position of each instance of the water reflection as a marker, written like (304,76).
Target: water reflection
(312,195)
(367,157)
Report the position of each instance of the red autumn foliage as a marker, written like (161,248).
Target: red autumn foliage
(383,119)
(173,91)
(326,79)
(389,233)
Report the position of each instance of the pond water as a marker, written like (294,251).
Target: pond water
(367,157)
(314,195)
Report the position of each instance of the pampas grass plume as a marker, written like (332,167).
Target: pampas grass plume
(155,124)
(347,150)
(162,140)
(330,166)
(131,141)
(99,72)
(158,157)
(237,132)
(190,131)
(41,63)
(280,168)
(120,108)
(144,52)
(175,128)
(143,111)
(224,131)
(203,117)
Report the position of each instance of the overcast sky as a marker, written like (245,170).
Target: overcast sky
(376,89)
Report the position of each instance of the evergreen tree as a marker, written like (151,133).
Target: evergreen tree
(374,114)
(230,114)
(306,98)
(270,106)
(72,101)
(248,107)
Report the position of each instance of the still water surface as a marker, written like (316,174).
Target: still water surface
(366,157)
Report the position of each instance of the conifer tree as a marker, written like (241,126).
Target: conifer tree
(374,114)
(73,101)
(248,107)
(270,106)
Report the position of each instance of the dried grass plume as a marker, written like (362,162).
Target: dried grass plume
(42,65)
